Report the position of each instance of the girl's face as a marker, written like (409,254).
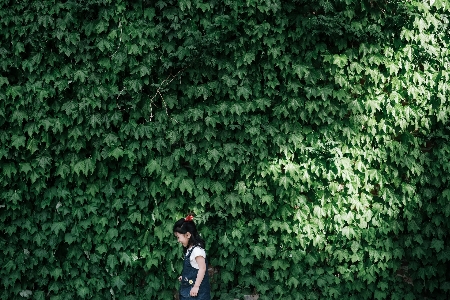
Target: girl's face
(183,238)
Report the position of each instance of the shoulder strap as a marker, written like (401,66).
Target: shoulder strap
(190,251)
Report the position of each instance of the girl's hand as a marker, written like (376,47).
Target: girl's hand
(194,291)
(179,278)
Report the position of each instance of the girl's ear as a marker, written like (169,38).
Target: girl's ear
(188,235)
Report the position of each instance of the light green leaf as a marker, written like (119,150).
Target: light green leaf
(125,258)
(117,152)
(83,291)
(112,233)
(69,238)
(9,169)
(186,185)
(159,232)
(340,60)
(152,166)
(3,80)
(80,75)
(56,273)
(135,217)
(112,261)
(268,199)
(151,261)
(25,167)
(101,248)
(270,251)
(118,282)
(18,141)
(202,199)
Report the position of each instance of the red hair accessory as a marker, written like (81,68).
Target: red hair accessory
(189,218)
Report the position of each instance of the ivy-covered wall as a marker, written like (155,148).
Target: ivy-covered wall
(311,138)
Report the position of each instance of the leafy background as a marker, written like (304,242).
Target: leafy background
(311,138)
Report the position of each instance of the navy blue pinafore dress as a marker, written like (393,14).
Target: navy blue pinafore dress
(188,277)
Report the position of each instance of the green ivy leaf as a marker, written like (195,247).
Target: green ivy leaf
(9,169)
(202,199)
(135,217)
(56,273)
(69,238)
(101,249)
(340,60)
(293,282)
(18,141)
(118,282)
(3,80)
(39,295)
(226,276)
(270,251)
(80,75)
(116,152)
(112,261)
(186,185)
(151,261)
(112,233)
(25,167)
(58,226)
(437,244)
(83,291)
(125,258)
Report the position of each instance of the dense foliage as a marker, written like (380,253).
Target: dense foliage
(311,138)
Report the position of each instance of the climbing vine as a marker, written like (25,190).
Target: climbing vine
(310,138)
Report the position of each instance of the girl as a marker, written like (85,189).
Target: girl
(194,278)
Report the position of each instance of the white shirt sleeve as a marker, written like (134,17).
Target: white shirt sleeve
(196,252)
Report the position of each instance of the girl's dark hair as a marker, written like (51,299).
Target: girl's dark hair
(182,226)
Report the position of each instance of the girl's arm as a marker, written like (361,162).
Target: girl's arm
(200,275)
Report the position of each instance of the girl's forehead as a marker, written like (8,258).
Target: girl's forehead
(180,234)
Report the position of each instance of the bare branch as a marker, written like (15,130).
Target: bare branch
(163,84)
